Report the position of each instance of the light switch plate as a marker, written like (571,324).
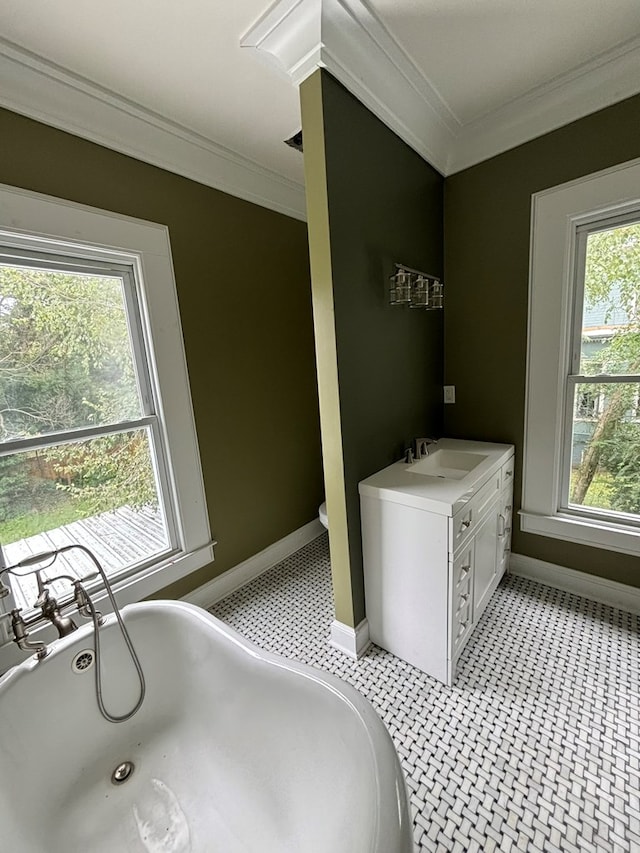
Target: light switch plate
(449,393)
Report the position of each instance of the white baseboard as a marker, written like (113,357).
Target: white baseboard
(352,641)
(590,586)
(240,575)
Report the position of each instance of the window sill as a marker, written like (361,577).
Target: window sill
(159,575)
(610,537)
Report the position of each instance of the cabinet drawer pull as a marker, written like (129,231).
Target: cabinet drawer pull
(464,571)
(465,525)
(462,628)
(508,473)
(463,600)
(461,608)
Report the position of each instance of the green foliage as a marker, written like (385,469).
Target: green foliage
(621,454)
(599,493)
(21,493)
(66,363)
(612,281)
(107,472)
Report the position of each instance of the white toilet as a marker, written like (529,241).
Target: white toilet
(322,512)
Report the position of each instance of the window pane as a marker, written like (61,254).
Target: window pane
(611,310)
(605,447)
(101,493)
(65,353)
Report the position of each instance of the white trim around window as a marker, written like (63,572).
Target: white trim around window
(55,226)
(556,216)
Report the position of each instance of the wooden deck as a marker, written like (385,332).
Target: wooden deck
(118,539)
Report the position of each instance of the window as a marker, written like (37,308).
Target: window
(97,439)
(582,440)
(602,457)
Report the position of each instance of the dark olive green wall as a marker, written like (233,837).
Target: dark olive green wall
(242,275)
(385,206)
(487,219)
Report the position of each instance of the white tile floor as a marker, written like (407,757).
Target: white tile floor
(535,748)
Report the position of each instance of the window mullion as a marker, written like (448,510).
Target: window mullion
(604,378)
(53,439)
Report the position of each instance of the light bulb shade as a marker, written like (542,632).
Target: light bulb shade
(400,287)
(437,294)
(420,292)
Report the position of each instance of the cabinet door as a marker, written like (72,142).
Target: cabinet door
(485,562)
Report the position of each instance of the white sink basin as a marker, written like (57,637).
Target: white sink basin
(447,464)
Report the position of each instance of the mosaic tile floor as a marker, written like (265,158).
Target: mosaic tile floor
(537,745)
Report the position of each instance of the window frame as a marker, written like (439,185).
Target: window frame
(59,228)
(558,217)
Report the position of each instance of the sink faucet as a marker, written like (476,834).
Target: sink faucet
(422,447)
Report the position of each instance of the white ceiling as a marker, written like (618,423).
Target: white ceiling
(179,68)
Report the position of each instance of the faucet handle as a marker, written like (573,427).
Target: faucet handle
(408,456)
(43,593)
(83,602)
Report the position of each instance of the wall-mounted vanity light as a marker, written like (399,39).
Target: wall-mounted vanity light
(415,289)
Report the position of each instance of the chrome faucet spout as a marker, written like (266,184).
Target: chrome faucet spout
(422,446)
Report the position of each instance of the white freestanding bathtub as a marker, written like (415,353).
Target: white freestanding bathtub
(233,749)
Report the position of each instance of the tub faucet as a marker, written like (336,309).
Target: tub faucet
(64,625)
(422,447)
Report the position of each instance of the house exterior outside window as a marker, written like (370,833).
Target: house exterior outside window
(581,477)
(97,436)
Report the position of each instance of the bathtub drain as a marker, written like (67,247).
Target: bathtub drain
(122,772)
(82,661)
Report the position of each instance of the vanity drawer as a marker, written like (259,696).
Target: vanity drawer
(506,473)
(463,522)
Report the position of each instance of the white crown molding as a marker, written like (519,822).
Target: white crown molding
(350,41)
(599,589)
(598,83)
(44,91)
(346,38)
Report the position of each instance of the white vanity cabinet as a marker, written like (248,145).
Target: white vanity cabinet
(435,547)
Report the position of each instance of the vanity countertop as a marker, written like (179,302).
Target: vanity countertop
(404,484)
